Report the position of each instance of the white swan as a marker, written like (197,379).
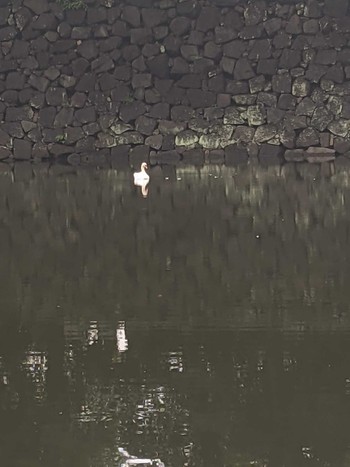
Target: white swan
(142,177)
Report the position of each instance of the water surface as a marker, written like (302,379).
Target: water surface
(205,324)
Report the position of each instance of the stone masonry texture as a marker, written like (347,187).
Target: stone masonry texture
(170,80)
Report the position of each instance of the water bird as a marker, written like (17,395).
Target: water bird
(142,177)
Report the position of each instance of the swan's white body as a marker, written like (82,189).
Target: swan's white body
(142,177)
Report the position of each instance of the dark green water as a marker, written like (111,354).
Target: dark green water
(206,324)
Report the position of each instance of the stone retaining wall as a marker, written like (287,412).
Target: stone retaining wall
(168,80)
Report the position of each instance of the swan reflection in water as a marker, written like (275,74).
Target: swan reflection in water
(141,179)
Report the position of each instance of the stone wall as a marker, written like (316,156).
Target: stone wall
(225,80)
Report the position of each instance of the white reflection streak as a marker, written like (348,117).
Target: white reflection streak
(36,366)
(175,361)
(122,341)
(92,333)
(144,187)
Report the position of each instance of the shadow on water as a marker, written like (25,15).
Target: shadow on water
(204,324)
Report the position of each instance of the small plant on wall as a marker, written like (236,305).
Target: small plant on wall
(72,4)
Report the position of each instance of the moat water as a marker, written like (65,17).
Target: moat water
(205,322)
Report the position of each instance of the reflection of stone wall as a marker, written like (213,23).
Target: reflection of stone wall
(252,246)
(233,78)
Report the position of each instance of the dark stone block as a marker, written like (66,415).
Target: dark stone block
(16,114)
(294,122)
(188,8)
(79,66)
(120,152)
(62,46)
(47,116)
(96,15)
(294,26)
(102,64)
(7,34)
(272,26)
(20,49)
(168,142)
(199,98)
(7,65)
(235,154)
(5,153)
(130,52)
(321,118)
(131,14)
(267,98)
(261,49)
(336,8)
(130,111)
(85,115)
(344,56)
(86,83)
(14,129)
(180,66)
(224,34)
(160,111)
(243,70)
(15,80)
(274,115)
(190,81)
(10,97)
(267,67)
(203,66)
(75,17)
(212,50)
(181,113)
(313,9)
(56,96)
(45,22)
(145,125)
(120,28)
(159,66)
(63,117)
(180,25)
(123,72)
(5,138)
(88,49)
(73,134)
(150,50)
(4,15)
(326,57)
(315,72)
(209,18)
(138,154)
(251,32)
(282,83)
(152,17)
(217,83)
(254,13)
(290,59)
(172,45)
(282,40)
(308,137)
(22,149)
(107,82)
